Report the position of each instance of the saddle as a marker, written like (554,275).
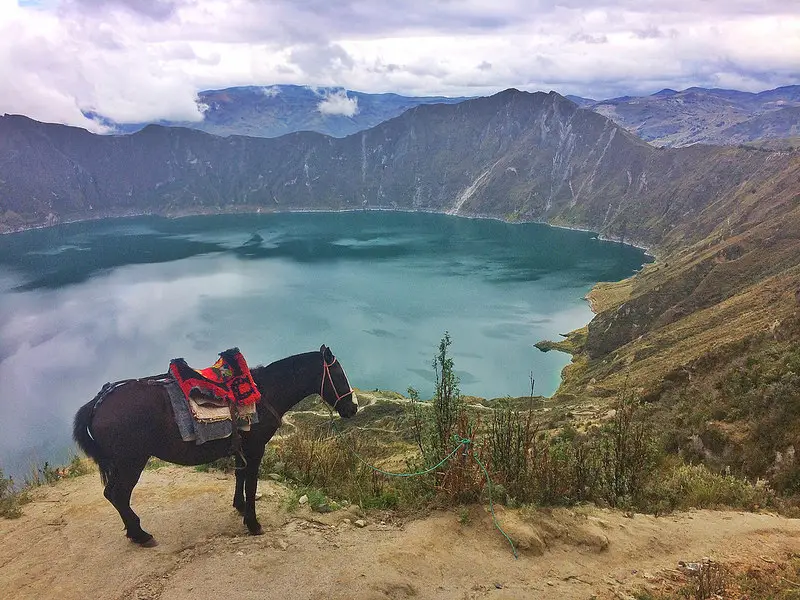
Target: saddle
(227,382)
(223,391)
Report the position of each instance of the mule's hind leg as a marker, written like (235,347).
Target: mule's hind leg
(119,490)
(238,494)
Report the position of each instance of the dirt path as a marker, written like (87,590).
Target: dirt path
(69,545)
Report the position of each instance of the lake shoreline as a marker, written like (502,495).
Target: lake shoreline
(648,250)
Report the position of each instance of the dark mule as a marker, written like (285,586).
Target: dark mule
(135,421)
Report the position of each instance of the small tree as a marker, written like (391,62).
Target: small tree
(439,425)
(435,424)
(447,403)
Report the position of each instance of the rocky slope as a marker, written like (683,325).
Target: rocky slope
(514,155)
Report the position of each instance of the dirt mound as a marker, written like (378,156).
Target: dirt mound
(70,544)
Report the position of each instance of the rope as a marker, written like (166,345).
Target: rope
(462,443)
(491,505)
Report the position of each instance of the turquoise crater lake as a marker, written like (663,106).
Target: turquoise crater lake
(86,303)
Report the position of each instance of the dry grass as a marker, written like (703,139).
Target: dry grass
(707,579)
(607,295)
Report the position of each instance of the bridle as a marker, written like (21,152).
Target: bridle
(326,375)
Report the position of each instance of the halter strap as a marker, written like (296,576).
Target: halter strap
(326,374)
(273,412)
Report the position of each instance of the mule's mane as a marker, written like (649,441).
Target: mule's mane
(284,362)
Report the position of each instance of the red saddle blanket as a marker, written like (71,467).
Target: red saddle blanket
(227,381)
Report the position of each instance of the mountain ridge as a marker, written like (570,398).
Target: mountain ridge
(665,118)
(515,155)
(702,115)
(272,111)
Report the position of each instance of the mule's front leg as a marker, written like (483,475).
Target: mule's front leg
(238,494)
(250,486)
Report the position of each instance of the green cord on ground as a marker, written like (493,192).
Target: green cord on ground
(491,505)
(462,443)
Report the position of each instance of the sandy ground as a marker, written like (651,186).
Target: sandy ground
(69,544)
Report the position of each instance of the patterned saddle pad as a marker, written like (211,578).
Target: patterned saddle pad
(227,381)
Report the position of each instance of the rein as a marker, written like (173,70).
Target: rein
(326,375)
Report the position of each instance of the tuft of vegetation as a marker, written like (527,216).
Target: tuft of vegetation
(47,474)
(154,464)
(11,499)
(316,458)
(694,486)
(439,428)
(610,464)
(709,579)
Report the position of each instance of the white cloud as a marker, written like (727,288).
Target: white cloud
(338,104)
(271,91)
(138,60)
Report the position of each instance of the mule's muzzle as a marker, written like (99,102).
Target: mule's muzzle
(347,408)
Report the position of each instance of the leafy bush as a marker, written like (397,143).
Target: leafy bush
(610,464)
(78,466)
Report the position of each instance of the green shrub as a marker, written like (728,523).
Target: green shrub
(694,486)
(439,428)
(610,464)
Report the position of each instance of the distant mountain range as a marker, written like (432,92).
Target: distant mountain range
(272,111)
(708,116)
(666,118)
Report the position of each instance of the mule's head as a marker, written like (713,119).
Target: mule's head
(335,388)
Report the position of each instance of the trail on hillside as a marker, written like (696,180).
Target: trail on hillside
(70,545)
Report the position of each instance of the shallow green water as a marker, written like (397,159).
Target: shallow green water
(86,303)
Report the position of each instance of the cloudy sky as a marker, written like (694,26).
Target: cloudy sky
(140,60)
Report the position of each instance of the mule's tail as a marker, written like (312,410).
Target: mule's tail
(83,436)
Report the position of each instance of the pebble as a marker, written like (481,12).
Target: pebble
(360,523)
(303,499)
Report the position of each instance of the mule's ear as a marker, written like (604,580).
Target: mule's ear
(326,353)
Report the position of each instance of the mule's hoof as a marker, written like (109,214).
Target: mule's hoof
(148,542)
(257,531)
